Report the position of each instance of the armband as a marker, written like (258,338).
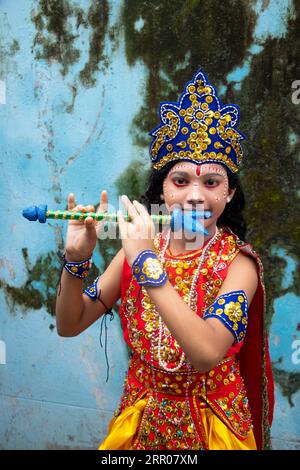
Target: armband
(92,290)
(232,310)
(147,269)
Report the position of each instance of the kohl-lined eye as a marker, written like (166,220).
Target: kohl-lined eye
(179,181)
(211,182)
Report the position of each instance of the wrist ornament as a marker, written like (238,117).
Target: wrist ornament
(78,268)
(147,270)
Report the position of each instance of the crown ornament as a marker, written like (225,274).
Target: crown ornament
(198,129)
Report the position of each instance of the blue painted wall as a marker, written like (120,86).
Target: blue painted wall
(67,124)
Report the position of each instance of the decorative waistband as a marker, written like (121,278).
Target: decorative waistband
(183,382)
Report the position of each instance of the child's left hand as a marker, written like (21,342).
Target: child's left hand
(138,234)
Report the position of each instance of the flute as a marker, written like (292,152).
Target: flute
(177,219)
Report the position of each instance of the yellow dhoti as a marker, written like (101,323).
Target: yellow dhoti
(123,428)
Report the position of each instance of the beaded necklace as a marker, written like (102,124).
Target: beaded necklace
(192,292)
(186,411)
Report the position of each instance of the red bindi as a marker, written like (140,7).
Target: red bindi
(198,170)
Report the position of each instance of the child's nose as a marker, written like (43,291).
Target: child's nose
(195,195)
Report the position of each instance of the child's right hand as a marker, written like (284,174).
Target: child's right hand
(81,235)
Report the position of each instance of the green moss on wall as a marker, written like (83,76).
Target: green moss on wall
(176,38)
(97,19)
(55,38)
(58,24)
(40,288)
(133,180)
(7,51)
(14,47)
(289,382)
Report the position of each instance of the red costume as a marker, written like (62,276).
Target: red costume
(239,390)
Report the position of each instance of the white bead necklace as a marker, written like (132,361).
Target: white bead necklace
(161,257)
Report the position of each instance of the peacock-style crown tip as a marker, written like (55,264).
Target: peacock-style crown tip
(198,129)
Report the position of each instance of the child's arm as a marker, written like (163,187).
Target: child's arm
(75,311)
(205,342)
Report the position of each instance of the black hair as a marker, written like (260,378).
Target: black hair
(231,217)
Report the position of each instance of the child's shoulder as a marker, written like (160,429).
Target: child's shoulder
(244,259)
(242,271)
(245,247)
(240,251)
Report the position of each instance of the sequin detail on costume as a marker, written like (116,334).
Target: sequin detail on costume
(175,395)
(232,310)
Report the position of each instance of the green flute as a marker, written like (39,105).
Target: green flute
(41,213)
(178,218)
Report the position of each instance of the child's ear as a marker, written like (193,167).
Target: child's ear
(162,197)
(231,194)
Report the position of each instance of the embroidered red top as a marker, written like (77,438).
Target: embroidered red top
(239,390)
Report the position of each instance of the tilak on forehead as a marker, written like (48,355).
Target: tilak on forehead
(199,170)
(197,129)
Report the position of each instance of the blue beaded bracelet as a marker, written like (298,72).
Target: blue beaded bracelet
(79,269)
(147,269)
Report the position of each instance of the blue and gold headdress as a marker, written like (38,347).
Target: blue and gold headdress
(198,129)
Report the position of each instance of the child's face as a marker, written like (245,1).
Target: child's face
(205,186)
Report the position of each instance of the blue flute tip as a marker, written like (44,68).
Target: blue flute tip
(34,213)
(189,220)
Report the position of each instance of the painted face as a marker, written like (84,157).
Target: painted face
(203,187)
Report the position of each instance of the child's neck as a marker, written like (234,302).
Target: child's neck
(184,245)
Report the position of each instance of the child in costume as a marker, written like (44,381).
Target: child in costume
(199,376)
